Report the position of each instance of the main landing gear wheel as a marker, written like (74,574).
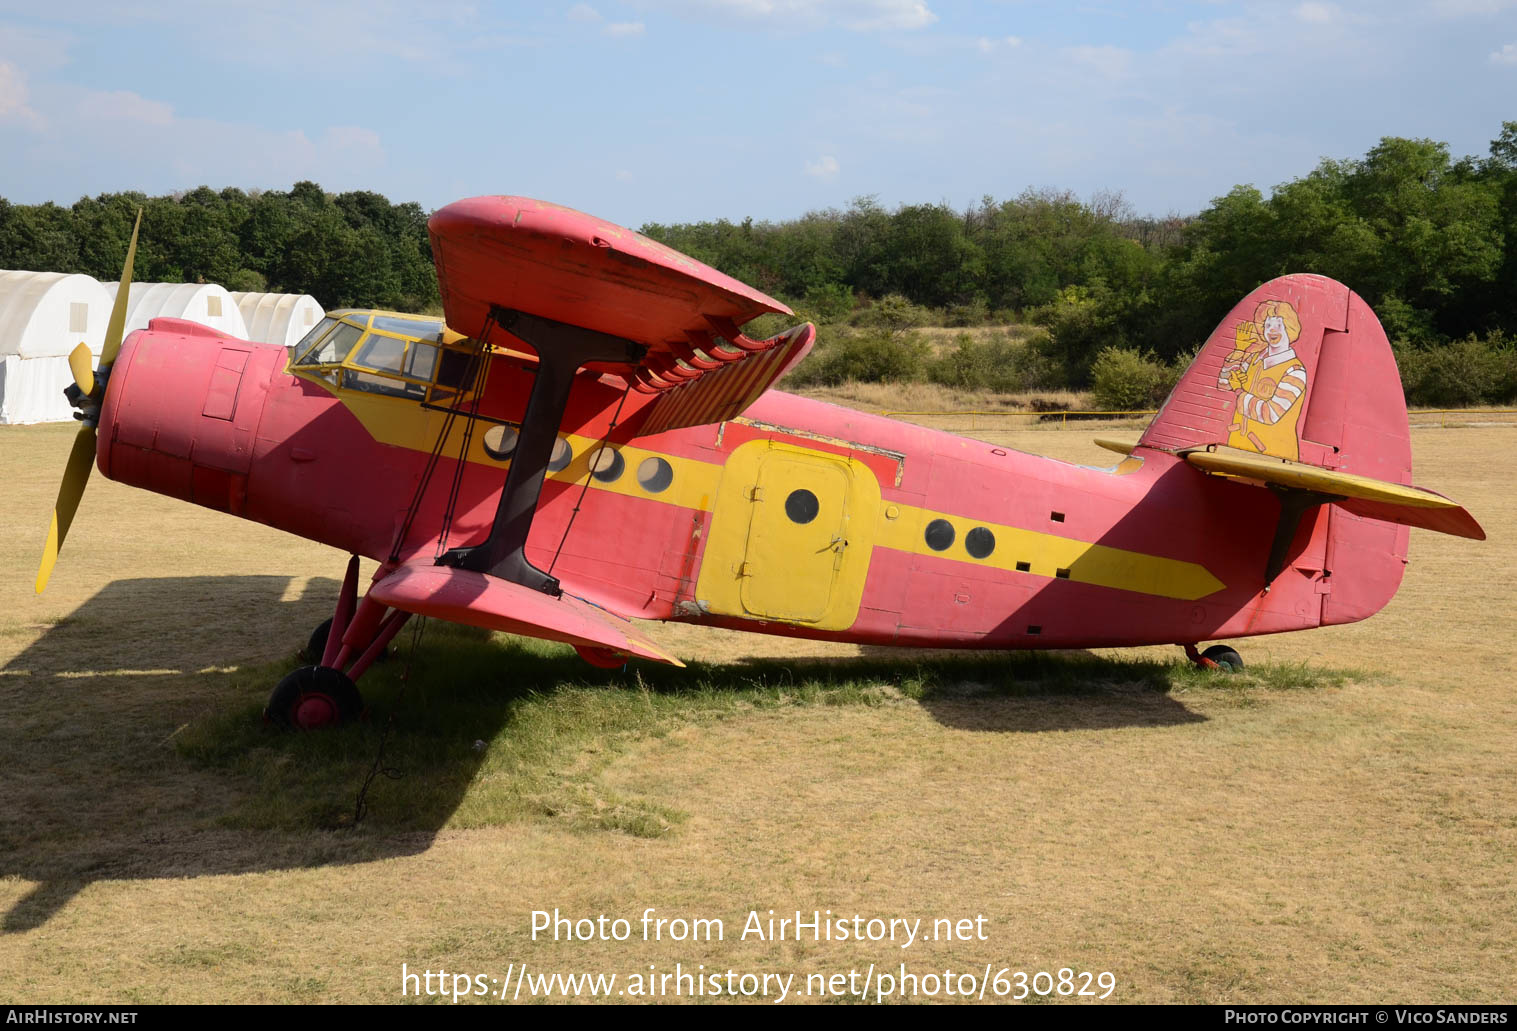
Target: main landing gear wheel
(314,698)
(1226,659)
(316,645)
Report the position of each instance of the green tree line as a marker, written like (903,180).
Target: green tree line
(347,249)
(1430,241)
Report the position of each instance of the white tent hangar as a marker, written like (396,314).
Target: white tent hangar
(205,303)
(278,318)
(44,316)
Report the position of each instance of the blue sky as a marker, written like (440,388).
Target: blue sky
(679,110)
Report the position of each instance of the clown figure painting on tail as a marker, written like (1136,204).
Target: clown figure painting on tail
(1268,382)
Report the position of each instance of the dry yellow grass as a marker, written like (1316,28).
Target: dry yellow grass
(1349,844)
(933,397)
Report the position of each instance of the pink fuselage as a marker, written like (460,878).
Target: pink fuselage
(222,423)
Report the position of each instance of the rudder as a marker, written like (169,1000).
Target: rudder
(1301,370)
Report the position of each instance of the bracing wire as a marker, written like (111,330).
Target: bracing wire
(589,475)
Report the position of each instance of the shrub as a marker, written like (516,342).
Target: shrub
(993,363)
(830,303)
(869,357)
(1080,322)
(972,313)
(892,312)
(1471,371)
(1124,380)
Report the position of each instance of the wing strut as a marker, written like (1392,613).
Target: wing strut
(561,350)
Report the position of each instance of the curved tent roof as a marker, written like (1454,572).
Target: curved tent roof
(205,303)
(48,313)
(278,318)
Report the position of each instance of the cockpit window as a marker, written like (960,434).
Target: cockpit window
(333,347)
(414,328)
(383,353)
(422,360)
(316,332)
(387,354)
(370,383)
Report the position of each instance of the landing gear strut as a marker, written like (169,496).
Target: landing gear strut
(1218,656)
(325,695)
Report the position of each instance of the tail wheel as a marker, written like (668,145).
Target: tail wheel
(1225,658)
(314,698)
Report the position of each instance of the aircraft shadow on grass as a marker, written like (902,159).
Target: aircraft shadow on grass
(97,791)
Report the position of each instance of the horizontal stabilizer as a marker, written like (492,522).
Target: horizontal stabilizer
(1363,495)
(475,599)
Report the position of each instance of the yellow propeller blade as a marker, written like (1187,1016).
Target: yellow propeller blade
(79,365)
(114,330)
(75,475)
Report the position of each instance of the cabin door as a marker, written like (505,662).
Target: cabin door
(798,536)
(790,537)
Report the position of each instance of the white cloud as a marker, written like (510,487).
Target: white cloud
(352,137)
(154,148)
(13,97)
(34,48)
(825,168)
(623,175)
(1469,8)
(1506,55)
(986,45)
(1317,13)
(624,28)
(806,15)
(1108,61)
(124,106)
(583,13)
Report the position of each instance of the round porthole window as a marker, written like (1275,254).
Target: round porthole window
(939,534)
(562,454)
(500,442)
(655,475)
(802,506)
(979,542)
(607,465)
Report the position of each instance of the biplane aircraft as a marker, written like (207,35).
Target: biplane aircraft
(589,438)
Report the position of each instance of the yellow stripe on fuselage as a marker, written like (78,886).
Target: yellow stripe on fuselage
(405,424)
(1046,554)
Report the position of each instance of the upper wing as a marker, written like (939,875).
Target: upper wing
(475,599)
(564,265)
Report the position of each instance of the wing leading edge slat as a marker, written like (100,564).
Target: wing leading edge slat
(726,392)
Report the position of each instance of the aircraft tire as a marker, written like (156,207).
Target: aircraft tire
(1226,658)
(314,698)
(316,644)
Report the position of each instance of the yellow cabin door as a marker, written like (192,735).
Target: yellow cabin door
(797,538)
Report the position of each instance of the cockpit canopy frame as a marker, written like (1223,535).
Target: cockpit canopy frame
(382,352)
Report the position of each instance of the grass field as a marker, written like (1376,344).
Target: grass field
(1340,825)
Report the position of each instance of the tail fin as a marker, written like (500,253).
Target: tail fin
(1301,372)
(1300,369)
